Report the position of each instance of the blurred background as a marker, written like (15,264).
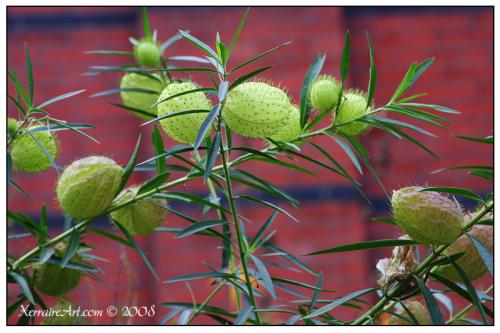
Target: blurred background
(332,212)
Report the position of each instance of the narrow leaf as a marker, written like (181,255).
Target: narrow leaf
(130,165)
(432,306)
(483,252)
(365,245)
(264,274)
(212,155)
(60,97)
(338,302)
(309,79)
(138,249)
(200,226)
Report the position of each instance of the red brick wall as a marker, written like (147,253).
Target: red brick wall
(331,214)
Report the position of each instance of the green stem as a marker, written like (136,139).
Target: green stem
(372,313)
(464,311)
(239,235)
(205,302)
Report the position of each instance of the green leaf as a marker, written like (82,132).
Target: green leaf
(198,276)
(262,230)
(23,284)
(265,203)
(72,248)
(111,52)
(420,69)
(287,256)
(471,290)
(456,191)
(339,302)
(169,42)
(108,235)
(190,198)
(205,126)
(301,284)
(173,114)
(365,245)
(60,97)
(243,64)
(29,71)
(483,252)
(19,88)
(120,90)
(42,235)
(201,45)
(344,63)
(430,106)
(309,79)
(266,186)
(190,58)
(200,226)
(238,31)
(348,151)
(460,291)
(138,249)
(47,154)
(247,76)
(158,149)
(130,166)
(264,275)
(373,74)
(244,315)
(212,155)
(153,183)
(18,105)
(432,306)
(489,139)
(319,285)
(145,23)
(400,123)
(182,93)
(63,126)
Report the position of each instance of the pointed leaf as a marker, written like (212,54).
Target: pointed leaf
(200,226)
(60,97)
(264,275)
(365,245)
(432,306)
(138,249)
(130,165)
(309,79)
(483,252)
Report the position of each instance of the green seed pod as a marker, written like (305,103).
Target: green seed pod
(141,217)
(427,217)
(28,156)
(418,310)
(140,100)
(292,128)
(12,126)
(352,107)
(64,313)
(257,109)
(87,186)
(52,279)
(325,93)
(471,261)
(147,53)
(183,128)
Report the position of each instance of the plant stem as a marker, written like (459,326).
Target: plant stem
(424,265)
(205,302)
(239,235)
(460,314)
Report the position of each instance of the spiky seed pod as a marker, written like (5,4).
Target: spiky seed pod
(52,279)
(427,217)
(12,125)
(87,186)
(471,261)
(141,217)
(64,313)
(325,93)
(183,128)
(147,53)
(257,109)
(27,155)
(140,100)
(418,310)
(292,128)
(353,106)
